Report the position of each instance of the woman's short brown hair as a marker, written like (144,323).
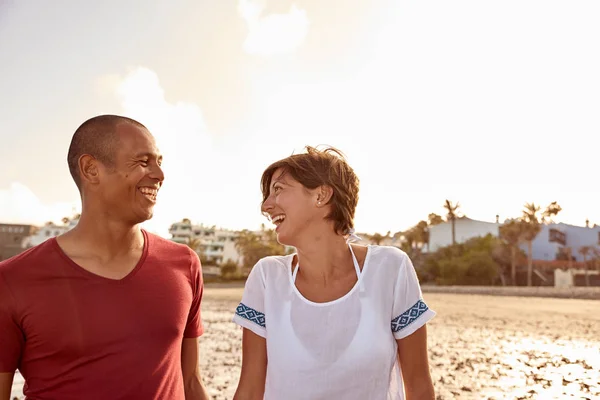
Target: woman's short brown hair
(317,168)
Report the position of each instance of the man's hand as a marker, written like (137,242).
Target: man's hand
(194,390)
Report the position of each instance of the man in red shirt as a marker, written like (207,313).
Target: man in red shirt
(107,310)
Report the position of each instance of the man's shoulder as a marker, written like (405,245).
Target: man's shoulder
(28,257)
(167,244)
(168,250)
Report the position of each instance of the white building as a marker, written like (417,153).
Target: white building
(48,231)
(216,245)
(555,238)
(552,239)
(465,228)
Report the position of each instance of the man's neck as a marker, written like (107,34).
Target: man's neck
(105,238)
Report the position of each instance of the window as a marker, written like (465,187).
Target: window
(557,236)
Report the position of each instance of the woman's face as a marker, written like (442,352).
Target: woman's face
(291,207)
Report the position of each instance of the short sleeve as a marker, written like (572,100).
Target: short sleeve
(250,313)
(12,339)
(194,327)
(410,312)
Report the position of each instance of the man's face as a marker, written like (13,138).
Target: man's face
(129,189)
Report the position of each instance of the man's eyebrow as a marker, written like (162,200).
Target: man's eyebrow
(149,155)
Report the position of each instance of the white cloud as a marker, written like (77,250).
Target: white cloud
(274,33)
(182,137)
(19,205)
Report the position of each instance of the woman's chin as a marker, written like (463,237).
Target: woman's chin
(282,238)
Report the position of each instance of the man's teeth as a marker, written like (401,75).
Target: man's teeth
(148,192)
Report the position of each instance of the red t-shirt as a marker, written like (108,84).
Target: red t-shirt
(77,335)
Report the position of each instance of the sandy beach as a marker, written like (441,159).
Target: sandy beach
(481,346)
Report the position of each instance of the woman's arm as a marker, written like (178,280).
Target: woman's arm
(254,367)
(414,362)
(6,380)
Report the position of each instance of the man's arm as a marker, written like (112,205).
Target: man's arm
(6,380)
(414,362)
(254,367)
(194,389)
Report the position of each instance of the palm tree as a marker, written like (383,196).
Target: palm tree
(376,238)
(533,227)
(409,243)
(434,219)
(585,251)
(451,216)
(534,223)
(422,233)
(512,233)
(596,257)
(194,244)
(551,210)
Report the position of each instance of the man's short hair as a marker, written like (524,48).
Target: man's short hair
(97,137)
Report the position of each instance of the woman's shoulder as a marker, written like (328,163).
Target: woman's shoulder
(277,263)
(388,258)
(387,253)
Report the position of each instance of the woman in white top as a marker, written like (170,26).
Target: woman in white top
(334,320)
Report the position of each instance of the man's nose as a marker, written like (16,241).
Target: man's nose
(157,173)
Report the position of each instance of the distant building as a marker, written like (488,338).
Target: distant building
(552,240)
(14,239)
(440,235)
(215,245)
(48,231)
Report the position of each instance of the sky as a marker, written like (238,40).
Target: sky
(489,104)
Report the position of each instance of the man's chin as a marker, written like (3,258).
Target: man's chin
(143,216)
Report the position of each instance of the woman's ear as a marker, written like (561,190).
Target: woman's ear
(324,195)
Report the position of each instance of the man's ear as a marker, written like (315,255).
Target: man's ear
(89,169)
(324,194)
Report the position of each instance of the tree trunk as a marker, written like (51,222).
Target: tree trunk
(502,278)
(529,261)
(585,267)
(513,265)
(453,232)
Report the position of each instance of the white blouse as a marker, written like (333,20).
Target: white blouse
(342,349)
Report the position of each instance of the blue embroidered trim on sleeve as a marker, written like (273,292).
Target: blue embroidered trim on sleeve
(251,314)
(407,317)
